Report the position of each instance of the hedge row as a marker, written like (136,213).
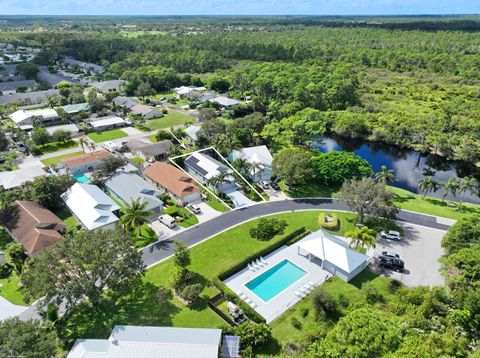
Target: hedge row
(230,295)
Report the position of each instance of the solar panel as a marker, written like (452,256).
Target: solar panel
(192,162)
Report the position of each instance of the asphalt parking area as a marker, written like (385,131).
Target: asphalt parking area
(420,249)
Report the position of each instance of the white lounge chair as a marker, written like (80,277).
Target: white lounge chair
(263,261)
(309,286)
(241,295)
(248,300)
(251,268)
(312,284)
(299,294)
(259,263)
(255,266)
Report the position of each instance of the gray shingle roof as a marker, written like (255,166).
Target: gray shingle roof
(29,98)
(12,86)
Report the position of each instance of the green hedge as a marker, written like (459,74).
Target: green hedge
(218,281)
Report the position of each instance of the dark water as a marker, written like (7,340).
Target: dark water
(409,165)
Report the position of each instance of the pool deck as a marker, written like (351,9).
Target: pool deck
(277,305)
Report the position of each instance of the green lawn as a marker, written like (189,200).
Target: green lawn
(153,138)
(216,204)
(10,290)
(142,307)
(67,218)
(403,199)
(99,137)
(144,236)
(58,159)
(172,119)
(138,160)
(57,146)
(189,220)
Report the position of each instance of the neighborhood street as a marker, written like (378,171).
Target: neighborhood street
(163,249)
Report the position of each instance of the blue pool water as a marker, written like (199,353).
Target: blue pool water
(278,278)
(81,178)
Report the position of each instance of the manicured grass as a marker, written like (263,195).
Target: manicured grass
(189,220)
(153,138)
(142,307)
(403,199)
(217,205)
(144,236)
(138,160)
(58,159)
(172,119)
(67,218)
(5,168)
(433,206)
(57,146)
(10,290)
(98,137)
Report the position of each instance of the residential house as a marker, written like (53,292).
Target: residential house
(91,206)
(26,120)
(204,167)
(150,152)
(125,102)
(26,99)
(260,160)
(127,187)
(225,102)
(109,86)
(9,72)
(53,79)
(334,254)
(74,130)
(158,342)
(86,162)
(189,91)
(7,88)
(76,108)
(205,96)
(146,112)
(86,67)
(191,133)
(16,178)
(179,185)
(32,226)
(100,124)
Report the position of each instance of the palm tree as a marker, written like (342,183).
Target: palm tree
(223,177)
(451,186)
(83,143)
(135,214)
(242,166)
(468,184)
(362,238)
(427,185)
(385,176)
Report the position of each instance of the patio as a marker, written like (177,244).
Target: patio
(280,303)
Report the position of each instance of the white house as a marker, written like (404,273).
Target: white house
(191,132)
(91,206)
(106,123)
(15,178)
(74,130)
(225,102)
(38,117)
(334,253)
(204,168)
(189,91)
(127,187)
(260,159)
(154,342)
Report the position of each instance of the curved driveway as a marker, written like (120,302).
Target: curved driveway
(163,249)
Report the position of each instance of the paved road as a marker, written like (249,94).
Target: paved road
(163,249)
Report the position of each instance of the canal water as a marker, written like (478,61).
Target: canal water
(409,165)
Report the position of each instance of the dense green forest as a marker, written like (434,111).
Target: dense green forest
(408,87)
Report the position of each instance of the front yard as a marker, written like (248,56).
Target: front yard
(99,137)
(58,159)
(57,146)
(172,119)
(145,306)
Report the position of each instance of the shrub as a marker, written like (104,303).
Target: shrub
(296,323)
(394,285)
(191,293)
(323,303)
(343,300)
(5,270)
(162,135)
(304,312)
(371,293)
(164,111)
(181,278)
(267,229)
(52,313)
(329,221)
(253,335)
(163,295)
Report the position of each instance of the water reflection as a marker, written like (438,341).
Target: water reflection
(409,165)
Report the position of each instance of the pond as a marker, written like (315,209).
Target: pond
(409,165)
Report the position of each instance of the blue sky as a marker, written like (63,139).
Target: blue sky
(237,7)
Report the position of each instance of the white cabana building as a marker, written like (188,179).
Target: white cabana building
(333,252)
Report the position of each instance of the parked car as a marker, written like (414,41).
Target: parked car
(390,254)
(392,263)
(167,220)
(194,208)
(265,185)
(391,235)
(274,186)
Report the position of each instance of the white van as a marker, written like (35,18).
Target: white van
(167,220)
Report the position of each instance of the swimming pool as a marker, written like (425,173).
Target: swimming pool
(275,280)
(82,178)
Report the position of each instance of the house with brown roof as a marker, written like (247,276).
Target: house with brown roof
(86,162)
(32,226)
(179,185)
(148,151)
